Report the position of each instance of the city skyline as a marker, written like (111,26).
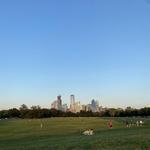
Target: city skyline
(75,106)
(73,101)
(94,49)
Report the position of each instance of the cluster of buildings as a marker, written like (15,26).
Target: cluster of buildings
(75,106)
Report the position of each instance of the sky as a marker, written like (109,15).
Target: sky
(94,49)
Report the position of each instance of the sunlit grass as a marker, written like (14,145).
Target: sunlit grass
(66,134)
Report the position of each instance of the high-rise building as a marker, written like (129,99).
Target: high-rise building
(57,104)
(72,99)
(72,103)
(59,101)
(94,106)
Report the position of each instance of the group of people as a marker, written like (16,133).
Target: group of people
(110,125)
(128,123)
(134,123)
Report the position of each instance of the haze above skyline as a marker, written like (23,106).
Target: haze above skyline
(90,48)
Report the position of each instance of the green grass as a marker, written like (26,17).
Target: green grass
(65,134)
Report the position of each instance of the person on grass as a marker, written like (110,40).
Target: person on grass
(110,124)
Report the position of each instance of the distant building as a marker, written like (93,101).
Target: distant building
(84,107)
(54,105)
(88,107)
(64,107)
(74,106)
(72,103)
(57,104)
(77,107)
(72,99)
(94,106)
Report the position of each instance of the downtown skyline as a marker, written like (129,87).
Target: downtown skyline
(94,49)
(75,106)
(80,102)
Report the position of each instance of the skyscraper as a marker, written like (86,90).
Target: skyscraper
(94,106)
(72,99)
(72,103)
(59,101)
(57,104)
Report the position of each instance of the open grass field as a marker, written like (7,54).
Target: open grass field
(66,134)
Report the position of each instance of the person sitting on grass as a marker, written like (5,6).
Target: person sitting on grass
(141,123)
(88,132)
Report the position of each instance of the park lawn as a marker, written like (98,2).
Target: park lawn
(66,134)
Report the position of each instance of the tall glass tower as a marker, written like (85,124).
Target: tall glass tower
(72,103)
(72,99)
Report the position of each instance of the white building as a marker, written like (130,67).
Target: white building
(77,107)
(64,107)
(83,107)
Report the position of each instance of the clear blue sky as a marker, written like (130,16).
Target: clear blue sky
(91,48)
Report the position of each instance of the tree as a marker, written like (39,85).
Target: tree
(24,111)
(45,113)
(112,112)
(35,107)
(14,113)
(128,111)
(23,107)
(4,114)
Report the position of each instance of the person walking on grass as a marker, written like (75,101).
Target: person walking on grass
(127,123)
(41,125)
(110,124)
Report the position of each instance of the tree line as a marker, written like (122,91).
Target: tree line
(38,112)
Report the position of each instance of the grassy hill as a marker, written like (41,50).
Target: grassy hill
(66,134)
